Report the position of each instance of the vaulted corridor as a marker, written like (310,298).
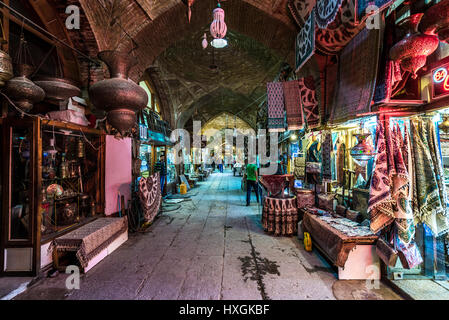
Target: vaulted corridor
(213,247)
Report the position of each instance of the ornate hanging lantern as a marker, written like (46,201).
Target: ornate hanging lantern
(20,89)
(413,50)
(57,89)
(189,4)
(362,151)
(218,28)
(204,42)
(119,96)
(6,72)
(436,21)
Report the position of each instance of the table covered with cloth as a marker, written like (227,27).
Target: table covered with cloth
(334,235)
(280,216)
(90,239)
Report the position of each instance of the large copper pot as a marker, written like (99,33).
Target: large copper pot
(413,50)
(5,68)
(57,89)
(119,96)
(436,21)
(21,90)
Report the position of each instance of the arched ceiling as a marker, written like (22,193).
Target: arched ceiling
(211,81)
(261,38)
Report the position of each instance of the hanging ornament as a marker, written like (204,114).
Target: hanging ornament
(218,28)
(362,151)
(189,4)
(20,89)
(436,21)
(204,43)
(119,96)
(57,89)
(412,51)
(5,61)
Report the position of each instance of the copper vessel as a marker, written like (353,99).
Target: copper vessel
(436,21)
(22,91)
(119,96)
(5,68)
(57,89)
(412,51)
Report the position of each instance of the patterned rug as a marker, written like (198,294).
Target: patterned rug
(150,196)
(309,102)
(339,32)
(305,42)
(300,10)
(326,150)
(356,76)
(292,97)
(275,99)
(90,239)
(325,12)
(380,204)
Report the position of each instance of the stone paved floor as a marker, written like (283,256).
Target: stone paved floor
(212,248)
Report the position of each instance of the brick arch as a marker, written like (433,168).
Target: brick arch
(242,16)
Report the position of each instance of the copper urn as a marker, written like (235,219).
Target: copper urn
(436,21)
(57,90)
(119,96)
(412,51)
(22,91)
(5,68)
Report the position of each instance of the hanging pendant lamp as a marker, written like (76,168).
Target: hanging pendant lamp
(218,28)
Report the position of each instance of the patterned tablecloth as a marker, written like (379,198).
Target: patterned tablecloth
(336,236)
(90,239)
(280,216)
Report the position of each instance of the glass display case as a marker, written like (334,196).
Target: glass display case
(52,183)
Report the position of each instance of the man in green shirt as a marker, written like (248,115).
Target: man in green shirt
(251,181)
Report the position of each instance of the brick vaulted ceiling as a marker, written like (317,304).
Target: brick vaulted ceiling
(260,34)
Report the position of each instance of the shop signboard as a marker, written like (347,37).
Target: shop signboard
(440,82)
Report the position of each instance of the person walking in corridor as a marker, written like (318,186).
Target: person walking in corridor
(162,169)
(251,181)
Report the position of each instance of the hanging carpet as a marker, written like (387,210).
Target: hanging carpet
(325,12)
(356,76)
(275,98)
(380,203)
(326,155)
(339,32)
(309,102)
(150,196)
(301,10)
(292,98)
(305,42)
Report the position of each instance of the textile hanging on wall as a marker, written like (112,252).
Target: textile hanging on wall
(356,76)
(150,196)
(300,10)
(401,189)
(380,204)
(341,150)
(326,154)
(275,98)
(430,207)
(300,167)
(292,97)
(338,33)
(305,42)
(325,12)
(309,102)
